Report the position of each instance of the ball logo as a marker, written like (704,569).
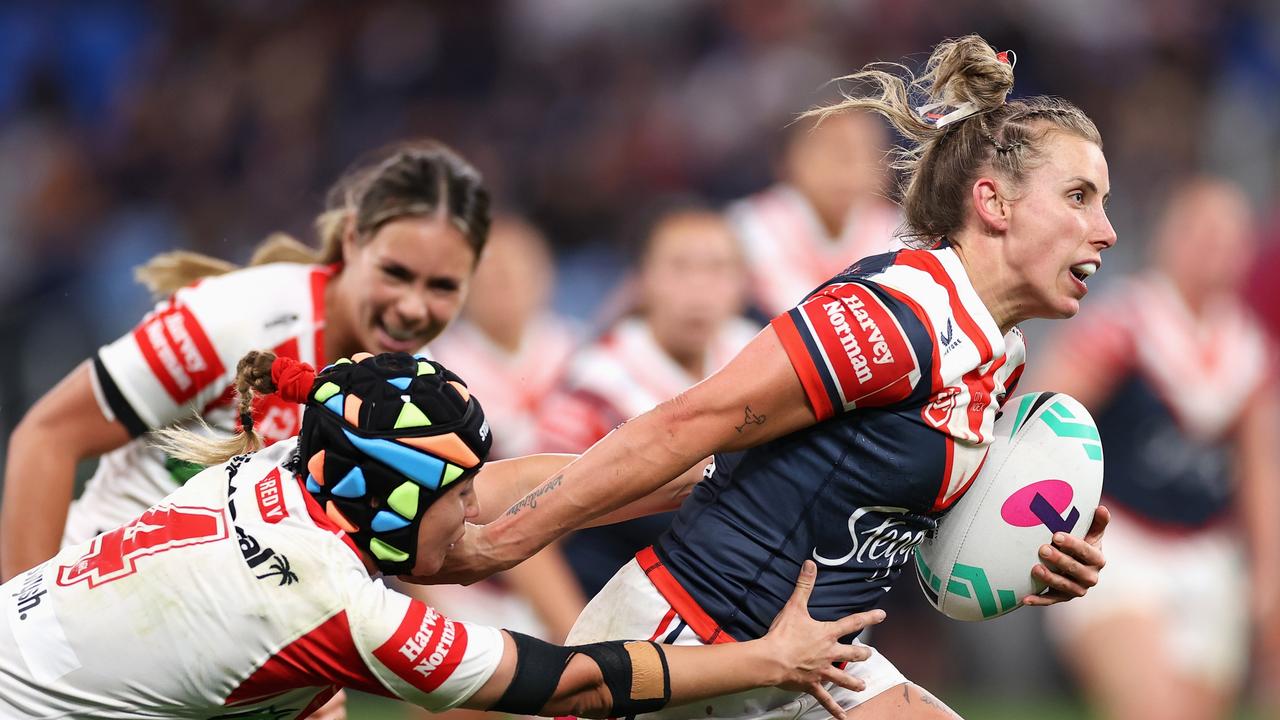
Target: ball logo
(1046,502)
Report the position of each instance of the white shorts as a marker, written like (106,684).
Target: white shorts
(630,607)
(1193,584)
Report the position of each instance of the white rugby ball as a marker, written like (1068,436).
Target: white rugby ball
(1043,474)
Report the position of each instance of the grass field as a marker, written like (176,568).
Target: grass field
(365,707)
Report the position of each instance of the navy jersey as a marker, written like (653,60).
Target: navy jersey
(1181,385)
(904,368)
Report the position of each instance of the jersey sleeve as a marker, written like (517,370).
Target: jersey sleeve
(420,655)
(178,359)
(851,348)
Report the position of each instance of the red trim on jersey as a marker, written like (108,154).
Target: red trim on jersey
(926,261)
(324,657)
(319,701)
(319,283)
(426,649)
(322,521)
(942,502)
(708,630)
(910,302)
(662,626)
(802,362)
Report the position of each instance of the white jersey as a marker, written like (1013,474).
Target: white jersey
(621,375)
(512,385)
(789,252)
(180,362)
(235,596)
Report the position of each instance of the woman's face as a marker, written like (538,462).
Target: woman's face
(1058,228)
(402,287)
(442,526)
(692,280)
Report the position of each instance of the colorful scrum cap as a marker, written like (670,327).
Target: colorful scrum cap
(383,436)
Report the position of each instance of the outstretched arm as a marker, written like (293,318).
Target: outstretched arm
(753,399)
(61,429)
(797,653)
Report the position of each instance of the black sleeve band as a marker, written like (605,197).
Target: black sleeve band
(636,674)
(124,412)
(539,665)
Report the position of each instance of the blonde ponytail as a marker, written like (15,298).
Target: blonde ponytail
(253,374)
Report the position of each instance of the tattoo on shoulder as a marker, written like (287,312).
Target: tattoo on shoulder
(531,500)
(749,418)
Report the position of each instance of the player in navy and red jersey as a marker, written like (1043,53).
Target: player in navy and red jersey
(253,590)
(1181,379)
(845,428)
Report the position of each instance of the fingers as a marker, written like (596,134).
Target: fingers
(844,679)
(854,653)
(804,584)
(1101,519)
(850,624)
(824,698)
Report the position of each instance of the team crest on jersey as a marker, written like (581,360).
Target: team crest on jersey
(938,412)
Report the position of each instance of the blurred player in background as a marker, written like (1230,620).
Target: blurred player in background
(1182,383)
(257,581)
(846,427)
(399,238)
(514,349)
(683,323)
(830,208)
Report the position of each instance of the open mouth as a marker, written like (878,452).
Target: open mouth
(1083,270)
(405,340)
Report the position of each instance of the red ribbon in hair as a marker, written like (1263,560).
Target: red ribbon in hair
(293,379)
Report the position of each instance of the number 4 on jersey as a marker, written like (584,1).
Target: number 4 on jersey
(113,554)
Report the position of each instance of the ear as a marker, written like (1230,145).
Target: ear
(989,205)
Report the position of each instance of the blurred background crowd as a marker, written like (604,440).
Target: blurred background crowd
(130,128)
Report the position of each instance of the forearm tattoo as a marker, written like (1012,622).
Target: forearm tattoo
(531,500)
(749,418)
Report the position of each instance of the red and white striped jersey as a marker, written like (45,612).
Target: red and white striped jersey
(180,362)
(235,596)
(1180,384)
(624,373)
(789,252)
(512,386)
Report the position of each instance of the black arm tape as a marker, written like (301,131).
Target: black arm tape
(640,687)
(636,674)
(539,665)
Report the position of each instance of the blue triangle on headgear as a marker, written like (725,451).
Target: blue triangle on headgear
(335,403)
(401,382)
(351,485)
(420,467)
(313,487)
(387,521)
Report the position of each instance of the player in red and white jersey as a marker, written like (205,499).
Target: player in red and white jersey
(397,255)
(686,324)
(845,428)
(252,591)
(828,210)
(1181,379)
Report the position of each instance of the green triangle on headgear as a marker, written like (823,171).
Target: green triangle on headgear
(342,361)
(326,391)
(404,500)
(451,472)
(383,551)
(411,416)
(425,368)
